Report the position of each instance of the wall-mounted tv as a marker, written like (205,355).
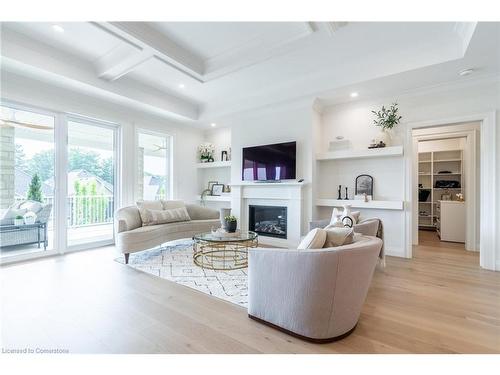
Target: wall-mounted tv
(269,162)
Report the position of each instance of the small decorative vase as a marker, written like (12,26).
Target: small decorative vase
(231,226)
(29,220)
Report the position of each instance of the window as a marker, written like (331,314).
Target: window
(153,157)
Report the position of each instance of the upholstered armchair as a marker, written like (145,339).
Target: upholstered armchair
(316,295)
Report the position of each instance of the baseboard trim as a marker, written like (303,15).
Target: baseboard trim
(305,338)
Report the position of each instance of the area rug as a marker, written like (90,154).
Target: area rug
(174,262)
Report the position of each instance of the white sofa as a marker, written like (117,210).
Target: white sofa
(316,295)
(131,236)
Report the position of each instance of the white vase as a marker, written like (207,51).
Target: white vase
(385,136)
(347,213)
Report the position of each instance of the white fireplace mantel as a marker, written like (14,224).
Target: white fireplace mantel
(286,194)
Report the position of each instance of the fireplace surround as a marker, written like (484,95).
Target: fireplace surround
(270,221)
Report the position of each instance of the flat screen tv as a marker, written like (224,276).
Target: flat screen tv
(269,162)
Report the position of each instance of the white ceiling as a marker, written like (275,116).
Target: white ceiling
(229,67)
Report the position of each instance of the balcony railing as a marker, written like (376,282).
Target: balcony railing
(85,210)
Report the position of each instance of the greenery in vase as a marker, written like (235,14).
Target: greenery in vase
(387,118)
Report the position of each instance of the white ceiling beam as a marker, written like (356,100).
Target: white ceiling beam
(120,61)
(26,56)
(139,33)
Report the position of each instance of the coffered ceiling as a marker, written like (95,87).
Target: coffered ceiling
(198,72)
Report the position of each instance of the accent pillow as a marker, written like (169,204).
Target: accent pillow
(154,217)
(315,239)
(150,205)
(10,214)
(336,236)
(171,204)
(33,206)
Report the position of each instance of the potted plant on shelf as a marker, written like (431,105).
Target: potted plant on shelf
(230,223)
(19,220)
(206,151)
(386,119)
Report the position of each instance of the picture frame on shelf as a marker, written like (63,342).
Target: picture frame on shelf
(210,184)
(217,189)
(364,185)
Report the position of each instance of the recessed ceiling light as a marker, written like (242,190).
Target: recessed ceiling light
(213,124)
(354,94)
(466,72)
(181,85)
(58,28)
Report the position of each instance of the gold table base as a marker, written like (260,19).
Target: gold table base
(223,255)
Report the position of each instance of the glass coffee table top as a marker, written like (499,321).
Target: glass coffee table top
(234,237)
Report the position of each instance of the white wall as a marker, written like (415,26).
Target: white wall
(186,139)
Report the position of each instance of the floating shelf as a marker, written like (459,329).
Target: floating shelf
(215,164)
(216,198)
(360,154)
(382,205)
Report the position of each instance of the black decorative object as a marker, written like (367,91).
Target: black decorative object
(346,197)
(364,185)
(347,221)
(339,192)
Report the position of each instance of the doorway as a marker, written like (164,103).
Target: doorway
(446,177)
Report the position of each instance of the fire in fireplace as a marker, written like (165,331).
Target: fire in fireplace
(268,220)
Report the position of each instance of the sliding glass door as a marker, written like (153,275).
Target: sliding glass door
(91,179)
(58,176)
(27,184)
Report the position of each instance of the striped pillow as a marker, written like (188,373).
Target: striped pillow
(154,217)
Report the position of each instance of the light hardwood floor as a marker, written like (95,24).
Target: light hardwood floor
(438,302)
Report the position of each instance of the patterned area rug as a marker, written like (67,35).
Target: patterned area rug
(174,262)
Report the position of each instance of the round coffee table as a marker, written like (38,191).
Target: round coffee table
(223,253)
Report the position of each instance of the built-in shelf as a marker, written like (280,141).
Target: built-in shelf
(382,205)
(215,164)
(216,198)
(360,154)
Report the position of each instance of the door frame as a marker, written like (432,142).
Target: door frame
(468,165)
(489,236)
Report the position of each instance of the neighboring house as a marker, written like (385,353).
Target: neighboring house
(22,185)
(84,177)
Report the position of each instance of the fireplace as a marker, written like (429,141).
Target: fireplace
(268,221)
